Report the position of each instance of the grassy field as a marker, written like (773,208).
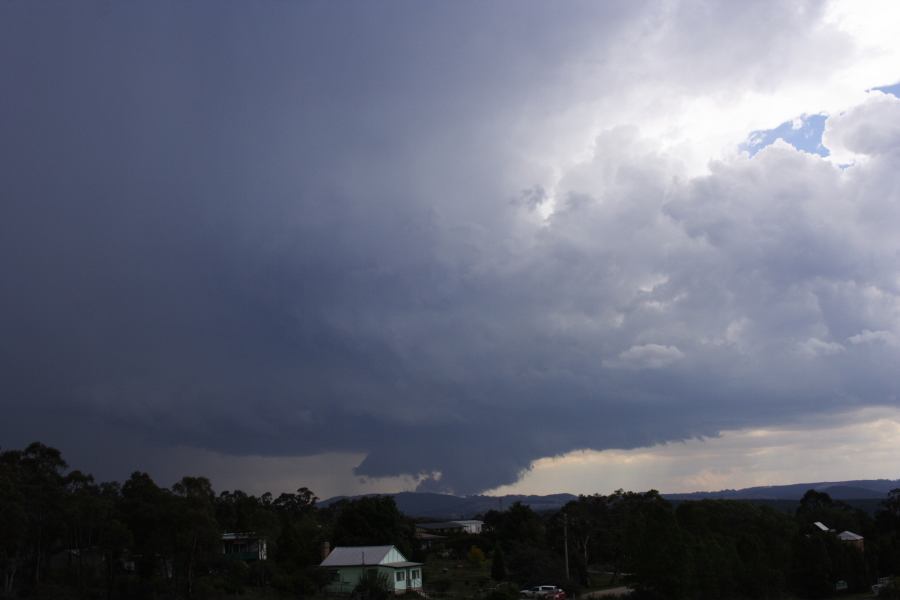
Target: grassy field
(602,581)
(456,578)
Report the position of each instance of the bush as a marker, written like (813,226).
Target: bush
(891,591)
(498,565)
(476,556)
(440,585)
(504,591)
(236,574)
(372,586)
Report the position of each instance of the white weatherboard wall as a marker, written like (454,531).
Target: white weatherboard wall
(393,556)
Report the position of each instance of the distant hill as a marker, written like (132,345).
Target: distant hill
(446,506)
(863,489)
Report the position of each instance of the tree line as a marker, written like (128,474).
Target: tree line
(701,549)
(64,535)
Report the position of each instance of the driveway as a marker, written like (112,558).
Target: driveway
(622,590)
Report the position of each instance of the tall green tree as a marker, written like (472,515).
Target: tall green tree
(85,510)
(147,512)
(887,534)
(372,520)
(736,549)
(13,521)
(197,535)
(41,480)
(655,552)
(517,525)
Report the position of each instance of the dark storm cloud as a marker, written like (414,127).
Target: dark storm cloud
(288,229)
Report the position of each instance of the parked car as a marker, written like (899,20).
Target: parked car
(544,592)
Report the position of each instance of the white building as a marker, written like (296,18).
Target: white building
(348,564)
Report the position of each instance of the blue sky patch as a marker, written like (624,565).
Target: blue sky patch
(890,89)
(803,133)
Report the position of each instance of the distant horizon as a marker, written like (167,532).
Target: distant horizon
(324,498)
(662,492)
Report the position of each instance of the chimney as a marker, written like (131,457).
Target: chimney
(326,550)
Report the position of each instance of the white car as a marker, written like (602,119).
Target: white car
(543,591)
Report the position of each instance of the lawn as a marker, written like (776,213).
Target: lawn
(448,578)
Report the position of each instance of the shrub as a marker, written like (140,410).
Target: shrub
(372,586)
(476,556)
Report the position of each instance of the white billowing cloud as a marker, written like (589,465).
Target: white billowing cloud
(869,129)
(647,356)
(814,347)
(872,337)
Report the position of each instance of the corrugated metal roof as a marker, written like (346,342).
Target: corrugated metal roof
(450,524)
(240,535)
(345,556)
(442,525)
(821,525)
(849,536)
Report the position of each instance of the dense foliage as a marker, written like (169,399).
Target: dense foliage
(63,535)
(713,549)
(705,550)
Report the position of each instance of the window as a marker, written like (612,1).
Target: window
(401,575)
(414,574)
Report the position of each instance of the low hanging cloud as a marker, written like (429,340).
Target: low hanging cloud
(814,347)
(305,232)
(647,356)
(873,337)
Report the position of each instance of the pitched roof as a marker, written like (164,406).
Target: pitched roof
(240,535)
(345,556)
(441,525)
(849,536)
(469,522)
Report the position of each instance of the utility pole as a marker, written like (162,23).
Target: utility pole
(566,541)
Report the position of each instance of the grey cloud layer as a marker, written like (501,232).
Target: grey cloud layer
(303,229)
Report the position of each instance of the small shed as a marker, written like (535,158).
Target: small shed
(471,526)
(347,565)
(852,539)
(429,540)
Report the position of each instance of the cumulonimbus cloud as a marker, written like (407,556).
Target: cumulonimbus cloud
(406,246)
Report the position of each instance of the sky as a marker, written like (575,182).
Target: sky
(458,247)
